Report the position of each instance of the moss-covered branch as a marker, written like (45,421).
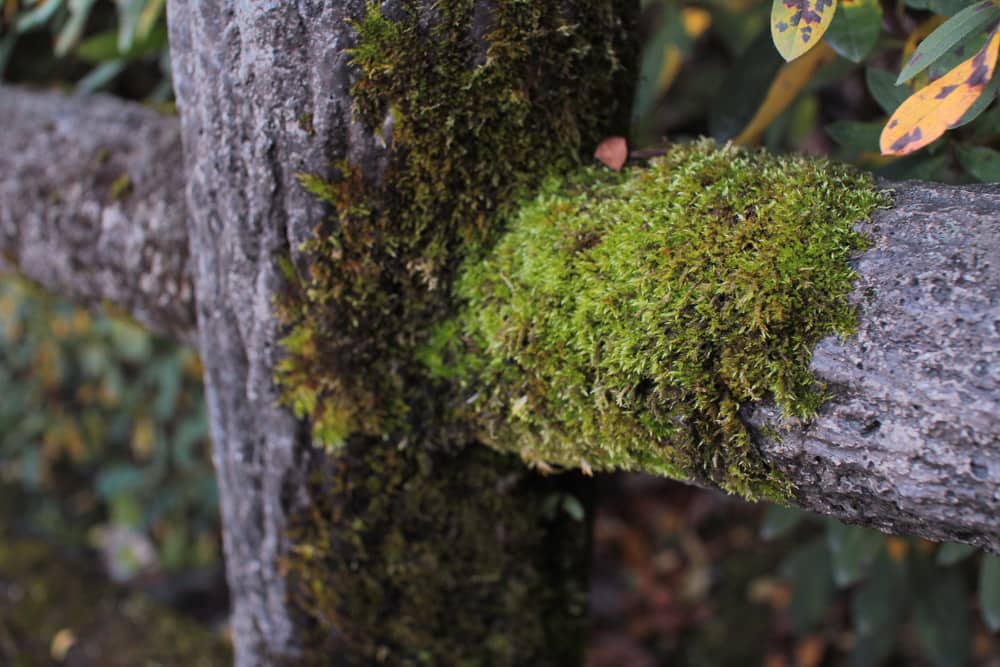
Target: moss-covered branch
(622,322)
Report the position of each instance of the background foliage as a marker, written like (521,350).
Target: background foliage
(103,429)
(713,68)
(102,426)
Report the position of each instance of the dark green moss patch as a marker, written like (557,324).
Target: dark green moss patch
(623,320)
(416,558)
(474,109)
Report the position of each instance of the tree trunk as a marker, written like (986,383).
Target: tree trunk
(397,553)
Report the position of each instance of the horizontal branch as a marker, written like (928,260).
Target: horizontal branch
(92,204)
(910,440)
(642,326)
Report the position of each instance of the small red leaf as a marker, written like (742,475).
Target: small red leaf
(613,152)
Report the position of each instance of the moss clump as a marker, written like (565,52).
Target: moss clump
(623,320)
(452,559)
(474,107)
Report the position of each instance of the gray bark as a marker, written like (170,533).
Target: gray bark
(243,75)
(92,195)
(910,441)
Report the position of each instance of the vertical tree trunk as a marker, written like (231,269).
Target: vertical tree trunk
(391,550)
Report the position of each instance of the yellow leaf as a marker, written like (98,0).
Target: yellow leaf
(696,21)
(798,25)
(788,82)
(62,642)
(668,72)
(937,107)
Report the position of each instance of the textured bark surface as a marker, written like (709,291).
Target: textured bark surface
(92,203)
(264,94)
(910,440)
(243,75)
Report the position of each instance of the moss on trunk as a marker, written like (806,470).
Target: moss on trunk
(415,548)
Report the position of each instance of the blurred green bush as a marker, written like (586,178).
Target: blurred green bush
(103,426)
(93,45)
(893,586)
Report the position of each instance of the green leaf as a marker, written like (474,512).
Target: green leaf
(947,7)
(780,521)
(69,35)
(38,16)
(103,48)
(981,163)
(129,13)
(670,35)
(572,506)
(988,124)
(798,25)
(116,480)
(989,591)
(942,618)
(950,553)
(6,48)
(877,610)
(856,136)
(919,167)
(948,34)
(884,89)
(808,570)
(100,76)
(855,28)
(853,550)
(739,28)
(743,90)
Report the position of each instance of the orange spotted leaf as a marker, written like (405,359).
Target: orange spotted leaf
(798,25)
(940,105)
(613,152)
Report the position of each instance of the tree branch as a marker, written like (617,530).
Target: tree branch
(92,204)
(910,441)
(595,360)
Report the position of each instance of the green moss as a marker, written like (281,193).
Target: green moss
(406,524)
(622,321)
(431,581)
(121,187)
(465,137)
(306,123)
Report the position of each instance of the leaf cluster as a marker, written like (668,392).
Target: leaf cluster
(103,426)
(895,588)
(87,41)
(905,89)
